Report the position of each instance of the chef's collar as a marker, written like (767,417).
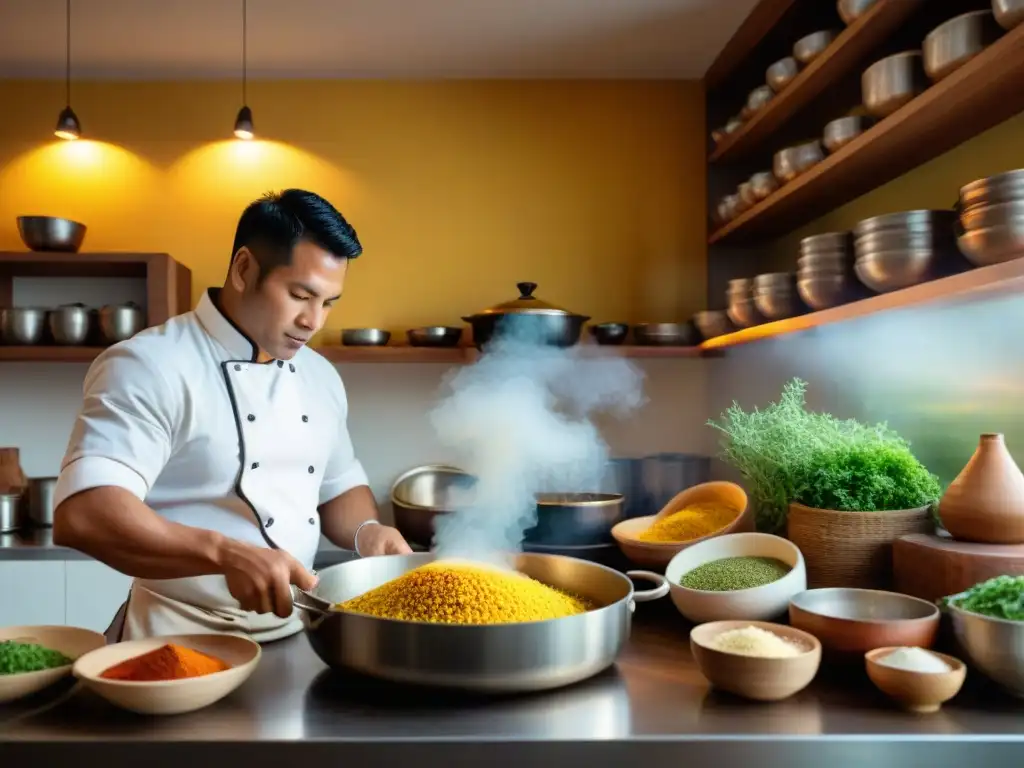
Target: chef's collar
(220,327)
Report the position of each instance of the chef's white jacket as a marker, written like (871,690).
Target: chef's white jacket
(183,417)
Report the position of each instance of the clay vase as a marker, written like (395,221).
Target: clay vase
(985,503)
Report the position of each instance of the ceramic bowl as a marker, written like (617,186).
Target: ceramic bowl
(170,697)
(653,554)
(757,604)
(754,677)
(851,622)
(71,641)
(916,691)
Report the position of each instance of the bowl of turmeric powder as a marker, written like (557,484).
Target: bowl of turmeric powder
(169,675)
(694,515)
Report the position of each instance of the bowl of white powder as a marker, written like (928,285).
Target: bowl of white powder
(917,679)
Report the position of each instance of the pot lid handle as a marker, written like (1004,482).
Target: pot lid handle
(526,291)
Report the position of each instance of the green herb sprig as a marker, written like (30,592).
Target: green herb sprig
(787,453)
(1001,597)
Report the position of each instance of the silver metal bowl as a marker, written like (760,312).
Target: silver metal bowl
(762,184)
(743,312)
(23,326)
(746,193)
(773,280)
(734,124)
(777,302)
(712,323)
(823,291)
(666,334)
(891,82)
(741,286)
(422,493)
(365,337)
(1000,188)
(902,240)
(71,324)
(827,242)
(811,46)
(1009,13)
(49,233)
(792,161)
(837,261)
(728,208)
(609,333)
(955,42)
(851,10)
(920,220)
(994,646)
(782,73)
(886,271)
(841,131)
(434,336)
(992,234)
(759,98)
(498,658)
(121,321)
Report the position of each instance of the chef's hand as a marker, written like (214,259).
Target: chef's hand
(381,540)
(260,579)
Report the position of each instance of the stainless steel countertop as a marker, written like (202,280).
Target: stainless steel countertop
(37,544)
(654,706)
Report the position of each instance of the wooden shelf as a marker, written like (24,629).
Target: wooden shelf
(984,282)
(337,353)
(759,22)
(48,354)
(982,93)
(846,52)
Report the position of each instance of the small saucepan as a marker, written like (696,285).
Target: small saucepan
(527,318)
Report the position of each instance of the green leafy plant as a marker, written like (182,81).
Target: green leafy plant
(787,453)
(1001,597)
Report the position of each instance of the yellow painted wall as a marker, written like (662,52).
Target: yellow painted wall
(935,184)
(593,190)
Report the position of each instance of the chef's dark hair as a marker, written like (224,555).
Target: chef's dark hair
(272,226)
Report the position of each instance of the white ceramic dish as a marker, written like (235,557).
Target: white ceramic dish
(757,604)
(170,697)
(71,641)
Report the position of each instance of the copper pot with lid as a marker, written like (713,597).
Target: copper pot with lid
(528,319)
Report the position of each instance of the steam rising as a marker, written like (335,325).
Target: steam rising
(519,421)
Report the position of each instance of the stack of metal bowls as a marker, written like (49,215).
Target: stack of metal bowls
(741,309)
(992,219)
(898,250)
(824,276)
(775,295)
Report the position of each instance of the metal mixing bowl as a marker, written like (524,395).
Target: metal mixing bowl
(365,337)
(835,262)
(666,334)
(1001,188)
(120,322)
(811,46)
(434,336)
(609,333)
(743,312)
(851,10)
(777,303)
(790,162)
(49,233)
(773,280)
(422,493)
(759,98)
(886,271)
(712,323)
(782,73)
(994,646)
(827,242)
(841,131)
(71,324)
(23,325)
(823,291)
(907,221)
(992,234)
(1009,13)
(891,82)
(955,42)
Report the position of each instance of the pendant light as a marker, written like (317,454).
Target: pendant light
(68,126)
(243,123)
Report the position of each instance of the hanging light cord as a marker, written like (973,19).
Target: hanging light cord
(67,54)
(245,5)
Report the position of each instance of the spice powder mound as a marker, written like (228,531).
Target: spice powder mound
(168,662)
(689,523)
(450,593)
(733,573)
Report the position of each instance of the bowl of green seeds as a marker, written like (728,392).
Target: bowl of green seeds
(740,576)
(34,658)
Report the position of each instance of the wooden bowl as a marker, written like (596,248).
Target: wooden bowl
(170,697)
(753,677)
(916,691)
(71,641)
(851,622)
(763,603)
(655,554)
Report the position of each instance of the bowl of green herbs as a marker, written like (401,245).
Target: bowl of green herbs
(34,658)
(841,490)
(988,624)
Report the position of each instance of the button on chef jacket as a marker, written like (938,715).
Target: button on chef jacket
(183,417)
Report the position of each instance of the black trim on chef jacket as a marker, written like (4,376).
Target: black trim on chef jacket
(214,294)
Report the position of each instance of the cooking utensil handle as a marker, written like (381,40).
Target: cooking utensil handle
(643,595)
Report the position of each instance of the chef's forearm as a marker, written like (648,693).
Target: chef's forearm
(342,515)
(113,526)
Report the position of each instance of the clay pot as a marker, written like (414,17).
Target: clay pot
(985,503)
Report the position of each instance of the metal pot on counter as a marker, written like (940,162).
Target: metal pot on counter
(490,658)
(528,318)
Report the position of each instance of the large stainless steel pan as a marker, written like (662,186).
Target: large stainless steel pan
(502,658)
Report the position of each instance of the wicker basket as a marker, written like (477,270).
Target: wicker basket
(851,549)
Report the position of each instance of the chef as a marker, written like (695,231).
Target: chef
(212,451)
